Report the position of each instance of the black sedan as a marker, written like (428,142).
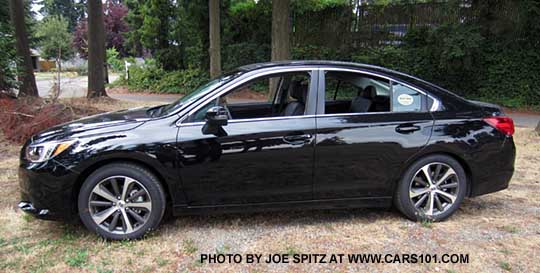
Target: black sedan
(288,135)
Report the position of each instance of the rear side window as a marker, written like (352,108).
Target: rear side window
(406,99)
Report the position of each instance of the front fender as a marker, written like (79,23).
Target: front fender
(141,146)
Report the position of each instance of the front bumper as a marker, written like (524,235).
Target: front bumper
(47,190)
(28,207)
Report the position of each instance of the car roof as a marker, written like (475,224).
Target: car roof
(255,66)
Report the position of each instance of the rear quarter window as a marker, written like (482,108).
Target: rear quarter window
(406,99)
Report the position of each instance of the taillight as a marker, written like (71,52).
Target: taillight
(503,124)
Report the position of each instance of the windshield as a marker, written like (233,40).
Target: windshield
(197,93)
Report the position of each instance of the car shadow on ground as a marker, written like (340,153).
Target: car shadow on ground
(295,218)
(280,218)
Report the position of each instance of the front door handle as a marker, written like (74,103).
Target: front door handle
(407,129)
(297,139)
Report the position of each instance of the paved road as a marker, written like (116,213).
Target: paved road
(165,98)
(71,87)
(525,120)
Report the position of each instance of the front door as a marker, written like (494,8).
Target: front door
(266,153)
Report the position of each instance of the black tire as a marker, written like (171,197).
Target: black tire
(403,201)
(144,177)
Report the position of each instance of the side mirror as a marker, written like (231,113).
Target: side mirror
(216,117)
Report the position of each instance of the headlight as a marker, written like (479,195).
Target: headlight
(47,150)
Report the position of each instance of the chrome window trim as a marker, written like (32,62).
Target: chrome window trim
(229,86)
(363,114)
(272,70)
(232,121)
(434,106)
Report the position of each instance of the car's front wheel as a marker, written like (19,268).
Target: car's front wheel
(121,201)
(432,188)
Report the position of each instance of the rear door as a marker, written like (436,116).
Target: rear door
(361,154)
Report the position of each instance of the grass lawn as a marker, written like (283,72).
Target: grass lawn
(500,232)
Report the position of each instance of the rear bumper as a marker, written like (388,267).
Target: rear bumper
(495,171)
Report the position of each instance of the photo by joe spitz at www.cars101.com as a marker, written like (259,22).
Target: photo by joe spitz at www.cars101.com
(309,134)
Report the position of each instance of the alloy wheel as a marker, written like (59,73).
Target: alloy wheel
(120,204)
(434,188)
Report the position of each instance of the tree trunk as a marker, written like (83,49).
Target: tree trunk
(26,74)
(96,50)
(3,85)
(59,60)
(215,39)
(281,44)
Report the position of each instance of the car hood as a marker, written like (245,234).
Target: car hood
(97,124)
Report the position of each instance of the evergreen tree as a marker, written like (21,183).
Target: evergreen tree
(25,68)
(72,10)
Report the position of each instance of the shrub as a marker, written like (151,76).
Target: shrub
(156,80)
(508,82)
(235,55)
(312,52)
(181,82)
(113,59)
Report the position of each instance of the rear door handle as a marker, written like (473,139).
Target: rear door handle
(297,139)
(406,129)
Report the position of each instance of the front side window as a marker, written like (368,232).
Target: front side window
(283,94)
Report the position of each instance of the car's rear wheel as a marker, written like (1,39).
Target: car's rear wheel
(431,189)
(121,201)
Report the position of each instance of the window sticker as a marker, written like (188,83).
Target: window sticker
(405,99)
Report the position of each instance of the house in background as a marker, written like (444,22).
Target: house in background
(39,64)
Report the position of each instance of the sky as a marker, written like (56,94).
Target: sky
(35,8)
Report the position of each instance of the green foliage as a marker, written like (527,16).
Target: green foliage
(72,10)
(235,55)
(155,33)
(183,81)
(54,38)
(155,79)
(247,22)
(134,19)
(317,5)
(511,78)
(311,52)
(113,59)
(486,50)
(7,58)
(155,27)
(459,58)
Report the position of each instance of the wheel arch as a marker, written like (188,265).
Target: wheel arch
(98,164)
(460,159)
